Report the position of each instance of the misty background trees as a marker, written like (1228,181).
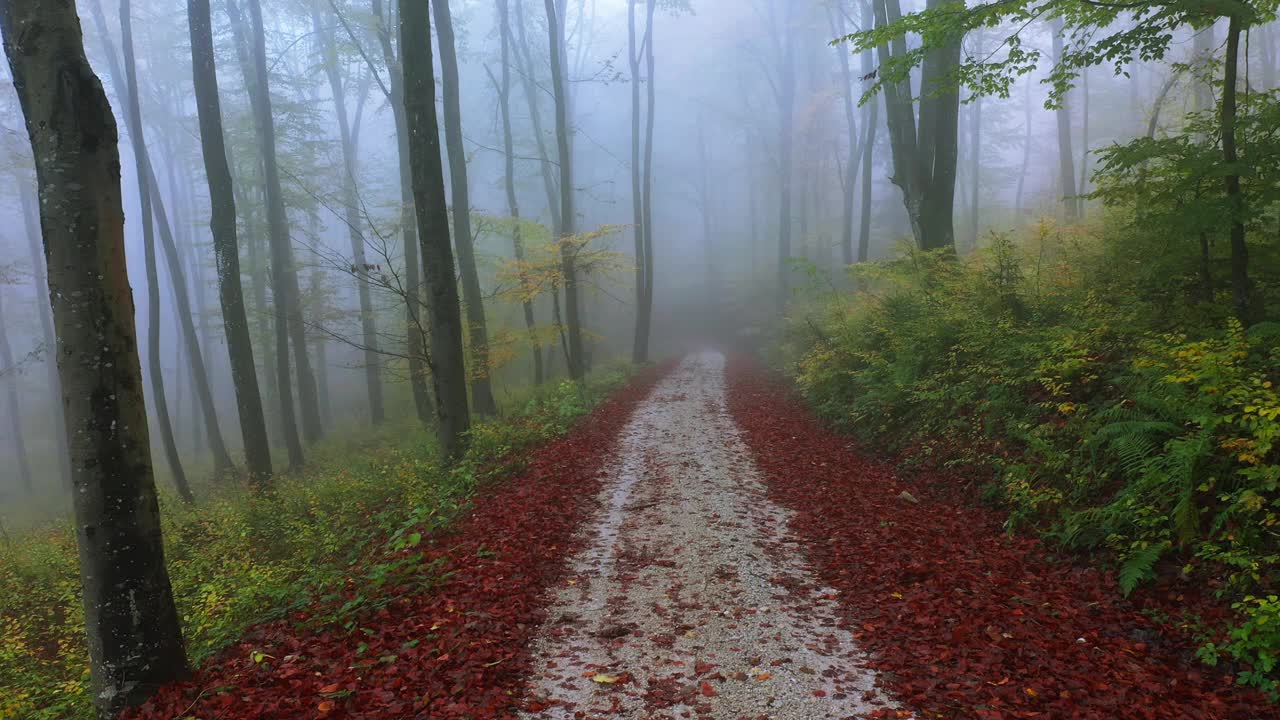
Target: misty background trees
(411,211)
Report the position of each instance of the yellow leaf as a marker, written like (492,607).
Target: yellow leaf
(604,679)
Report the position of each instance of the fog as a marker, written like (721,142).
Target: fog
(722,72)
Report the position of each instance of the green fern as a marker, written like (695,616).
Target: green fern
(1139,566)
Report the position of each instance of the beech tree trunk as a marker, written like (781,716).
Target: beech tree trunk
(924,154)
(647,179)
(1066,158)
(408,224)
(640,346)
(572,311)
(837,21)
(786,98)
(226,247)
(473,298)
(354,222)
(531,91)
(153,203)
(1241,287)
(145,189)
(448,363)
(509,181)
(871,125)
(135,640)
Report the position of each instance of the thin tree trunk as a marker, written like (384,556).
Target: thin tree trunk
(786,96)
(647,179)
(871,124)
(837,21)
(975,168)
(1027,147)
(639,349)
(354,222)
(154,203)
(509,181)
(31,223)
(408,224)
(448,363)
(134,114)
(9,374)
(572,311)
(531,90)
(1241,289)
(135,639)
(222,225)
(1066,158)
(1083,186)
(473,298)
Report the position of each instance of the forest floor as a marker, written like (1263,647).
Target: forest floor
(702,547)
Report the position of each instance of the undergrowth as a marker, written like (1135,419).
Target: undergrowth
(237,559)
(1115,408)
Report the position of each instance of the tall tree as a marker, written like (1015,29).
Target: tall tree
(836,19)
(975,156)
(1241,286)
(473,299)
(352,218)
(924,148)
(509,181)
(135,640)
(524,56)
(870,125)
(448,363)
(226,245)
(1066,157)
(134,115)
(555,34)
(646,181)
(394,91)
(784,90)
(153,203)
(644,299)
(286,295)
(9,375)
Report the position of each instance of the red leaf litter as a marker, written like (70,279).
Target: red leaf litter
(458,650)
(962,620)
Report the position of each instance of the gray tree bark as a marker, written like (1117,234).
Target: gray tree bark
(222,224)
(473,298)
(444,311)
(9,373)
(135,640)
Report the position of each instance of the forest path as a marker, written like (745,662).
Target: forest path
(687,596)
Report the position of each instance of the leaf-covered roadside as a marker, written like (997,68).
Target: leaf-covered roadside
(963,620)
(325,540)
(443,635)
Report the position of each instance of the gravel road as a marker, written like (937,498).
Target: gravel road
(686,597)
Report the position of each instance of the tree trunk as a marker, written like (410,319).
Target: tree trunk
(448,363)
(354,222)
(154,361)
(871,124)
(226,248)
(640,347)
(647,179)
(154,203)
(135,640)
(473,299)
(1066,159)
(1026,150)
(408,225)
(509,181)
(1083,184)
(786,99)
(1241,289)
(975,168)
(9,374)
(31,223)
(531,91)
(555,33)
(286,296)
(837,21)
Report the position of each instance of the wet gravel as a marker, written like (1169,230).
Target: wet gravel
(686,597)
